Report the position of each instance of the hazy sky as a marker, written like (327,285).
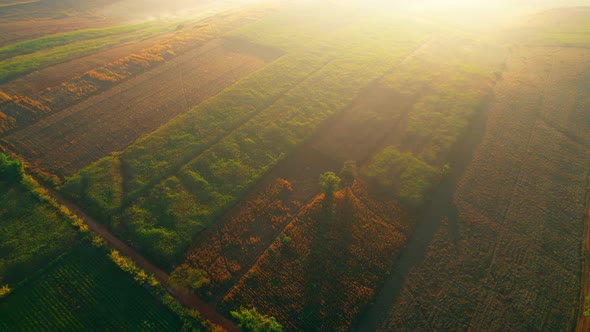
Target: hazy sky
(480,12)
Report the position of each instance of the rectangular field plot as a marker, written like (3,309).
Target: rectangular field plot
(66,141)
(84,292)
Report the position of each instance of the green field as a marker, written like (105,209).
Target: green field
(84,291)
(52,278)
(31,55)
(23,247)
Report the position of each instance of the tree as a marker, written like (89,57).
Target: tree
(329,182)
(250,320)
(188,278)
(349,171)
(11,170)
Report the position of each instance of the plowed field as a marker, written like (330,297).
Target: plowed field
(511,259)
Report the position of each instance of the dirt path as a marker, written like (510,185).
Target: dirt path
(188,300)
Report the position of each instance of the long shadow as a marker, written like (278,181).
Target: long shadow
(441,205)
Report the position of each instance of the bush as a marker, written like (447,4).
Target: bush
(250,320)
(11,170)
(409,178)
(188,278)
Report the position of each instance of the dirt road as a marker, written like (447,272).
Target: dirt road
(186,299)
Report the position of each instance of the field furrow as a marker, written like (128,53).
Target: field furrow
(66,141)
(516,258)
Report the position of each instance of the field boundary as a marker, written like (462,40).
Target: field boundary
(188,300)
(130,199)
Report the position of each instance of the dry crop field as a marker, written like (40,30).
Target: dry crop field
(513,254)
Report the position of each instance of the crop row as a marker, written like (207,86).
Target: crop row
(512,254)
(227,251)
(24,248)
(324,268)
(18,111)
(47,56)
(84,291)
(448,88)
(217,178)
(59,39)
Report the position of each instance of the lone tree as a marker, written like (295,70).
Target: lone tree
(329,182)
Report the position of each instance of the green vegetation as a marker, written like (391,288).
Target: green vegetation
(100,184)
(329,182)
(43,256)
(447,95)
(59,39)
(189,278)
(250,320)
(349,171)
(24,247)
(4,291)
(84,291)
(408,177)
(11,170)
(560,27)
(587,307)
(39,53)
(446,89)
(178,179)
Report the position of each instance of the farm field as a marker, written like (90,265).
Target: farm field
(66,141)
(20,110)
(187,32)
(24,249)
(52,277)
(513,253)
(224,180)
(230,247)
(349,246)
(295,166)
(23,20)
(84,291)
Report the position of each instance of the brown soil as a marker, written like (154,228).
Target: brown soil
(68,140)
(511,253)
